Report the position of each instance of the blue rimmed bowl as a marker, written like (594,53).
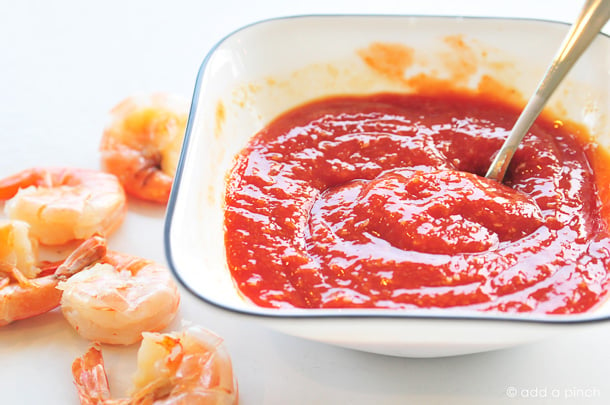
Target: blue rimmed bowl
(263,69)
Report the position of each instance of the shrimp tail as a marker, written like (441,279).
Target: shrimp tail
(22,279)
(30,297)
(9,186)
(90,378)
(87,253)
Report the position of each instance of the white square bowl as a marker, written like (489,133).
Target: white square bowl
(266,68)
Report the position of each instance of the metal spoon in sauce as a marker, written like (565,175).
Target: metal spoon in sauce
(592,18)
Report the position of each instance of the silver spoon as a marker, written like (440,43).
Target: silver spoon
(592,18)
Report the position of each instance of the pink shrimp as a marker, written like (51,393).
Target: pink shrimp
(64,204)
(189,367)
(27,290)
(118,298)
(142,143)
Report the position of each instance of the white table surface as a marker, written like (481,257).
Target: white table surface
(64,64)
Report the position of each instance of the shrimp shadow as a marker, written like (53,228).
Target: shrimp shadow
(35,331)
(145,208)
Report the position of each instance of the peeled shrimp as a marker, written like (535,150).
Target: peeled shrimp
(118,298)
(64,204)
(190,367)
(27,290)
(142,143)
(18,249)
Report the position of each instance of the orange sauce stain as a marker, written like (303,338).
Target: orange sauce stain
(240,97)
(428,84)
(389,59)
(493,88)
(461,62)
(221,116)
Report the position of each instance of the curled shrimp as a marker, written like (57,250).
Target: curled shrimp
(18,250)
(189,367)
(64,204)
(27,290)
(118,298)
(142,143)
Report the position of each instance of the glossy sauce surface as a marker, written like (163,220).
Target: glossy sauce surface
(378,201)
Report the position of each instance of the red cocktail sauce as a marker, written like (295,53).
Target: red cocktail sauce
(378,201)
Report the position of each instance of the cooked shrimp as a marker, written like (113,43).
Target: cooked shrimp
(18,249)
(116,300)
(190,367)
(27,290)
(142,143)
(64,204)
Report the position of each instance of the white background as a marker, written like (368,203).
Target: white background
(64,64)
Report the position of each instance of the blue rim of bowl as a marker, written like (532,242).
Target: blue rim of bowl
(355,313)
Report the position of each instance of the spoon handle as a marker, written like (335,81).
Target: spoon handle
(592,18)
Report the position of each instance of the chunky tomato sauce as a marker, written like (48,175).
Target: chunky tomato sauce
(379,202)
